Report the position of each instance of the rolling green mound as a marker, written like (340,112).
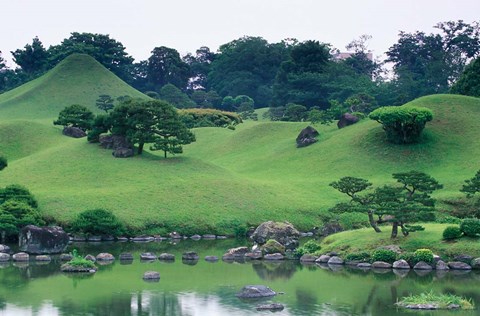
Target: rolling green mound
(79,79)
(226,178)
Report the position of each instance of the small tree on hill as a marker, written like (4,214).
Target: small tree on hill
(469,81)
(472,185)
(403,125)
(75,115)
(97,222)
(104,102)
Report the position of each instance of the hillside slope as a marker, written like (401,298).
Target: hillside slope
(249,175)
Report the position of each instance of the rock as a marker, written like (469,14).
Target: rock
(43,240)
(393,248)
(323,259)
(330,228)
(332,254)
(436,258)
(457,265)
(196,237)
(122,239)
(43,258)
(108,238)
(66,257)
(21,256)
(254,255)
(4,249)
(143,238)
(401,264)
(422,306)
(66,267)
(475,264)
(91,258)
(211,258)
(274,256)
(79,238)
(463,258)
(228,257)
(126,256)
(308,258)
(94,239)
(221,237)
(190,256)
(272,246)
(381,265)
(114,142)
(453,306)
(209,237)
(353,263)
(346,120)
(123,153)
(175,235)
(166,257)
(105,256)
(148,256)
(335,260)
(283,232)
(151,275)
(270,307)
(422,265)
(4,257)
(364,265)
(441,266)
(238,252)
(306,137)
(256,291)
(74,132)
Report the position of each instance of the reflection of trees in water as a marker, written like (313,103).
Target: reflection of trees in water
(270,271)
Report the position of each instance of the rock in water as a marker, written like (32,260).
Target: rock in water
(151,276)
(307,137)
(256,291)
(42,240)
(74,132)
(346,120)
(270,307)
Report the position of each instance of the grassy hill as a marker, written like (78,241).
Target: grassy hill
(249,175)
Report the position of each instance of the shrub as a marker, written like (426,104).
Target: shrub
(402,124)
(384,255)
(452,232)
(408,257)
(208,118)
(75,115)
(425,255)
(19,193)
(357,256)
(79,261)
(3,162)
(470,227)
(310,247)
(97,222)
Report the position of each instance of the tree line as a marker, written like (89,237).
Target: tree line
(273,75)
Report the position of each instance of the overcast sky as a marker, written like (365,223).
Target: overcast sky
(186,25)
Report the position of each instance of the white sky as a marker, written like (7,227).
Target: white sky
(186,25)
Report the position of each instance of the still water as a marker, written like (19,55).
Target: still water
(209,288)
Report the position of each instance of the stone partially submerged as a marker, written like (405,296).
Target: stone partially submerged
(256,291)
(43,240)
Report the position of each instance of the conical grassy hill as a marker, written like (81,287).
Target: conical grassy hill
(226,178)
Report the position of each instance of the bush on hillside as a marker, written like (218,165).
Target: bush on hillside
(451,233)
(403,125)
(310,247)
(193,118)
(384,255)
(469,81)
(358,256)
(470,227)
(75,115)
(425,255)
(18,193)
(16,214)
(97,222)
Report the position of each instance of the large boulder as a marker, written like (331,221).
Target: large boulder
(475,264)
(346,120)
(401,264)
(256,291)
(114,142)
(272,246)
(458,265)
(4,249)
(283,232)
(43,240)
(307,137)
(74,132)
(422,265)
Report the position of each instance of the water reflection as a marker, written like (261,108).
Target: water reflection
(271,271)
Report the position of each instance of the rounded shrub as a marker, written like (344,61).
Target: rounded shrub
(97,222)
(452,232)
(470,227)
(384,255)
(310,247)
(425,255)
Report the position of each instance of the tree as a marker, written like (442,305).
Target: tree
(97,222)
(295,113)
(403,125)
(18,193)
(361,102)
(104,102)
(165,66)
(15,213)
(75,115)
(469,81)
(360,61)
(175,96)
(200,67)
(33,59)
(170,132)
(472,185)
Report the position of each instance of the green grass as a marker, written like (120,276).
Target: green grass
(366,239)
(443,301)
(249,175)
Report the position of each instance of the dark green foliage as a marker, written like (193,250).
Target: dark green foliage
(452,232)
(361,103)
(3,163)
(469,81)
(101,124)
(204,99)
(165,66)
(104,102)
(310,247)
(97,222)
(33,59)
(79,261)
(176,97)
(295,113)
(18,193)
(75,115)
(193,118)
(403,125)
(358,256)
(470,227)
(472,185)
(408,257)
(425,255)
(14,215)
(384,255)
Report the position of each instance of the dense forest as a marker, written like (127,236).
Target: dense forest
(290,77)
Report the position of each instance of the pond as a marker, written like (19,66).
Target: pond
(209,288)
